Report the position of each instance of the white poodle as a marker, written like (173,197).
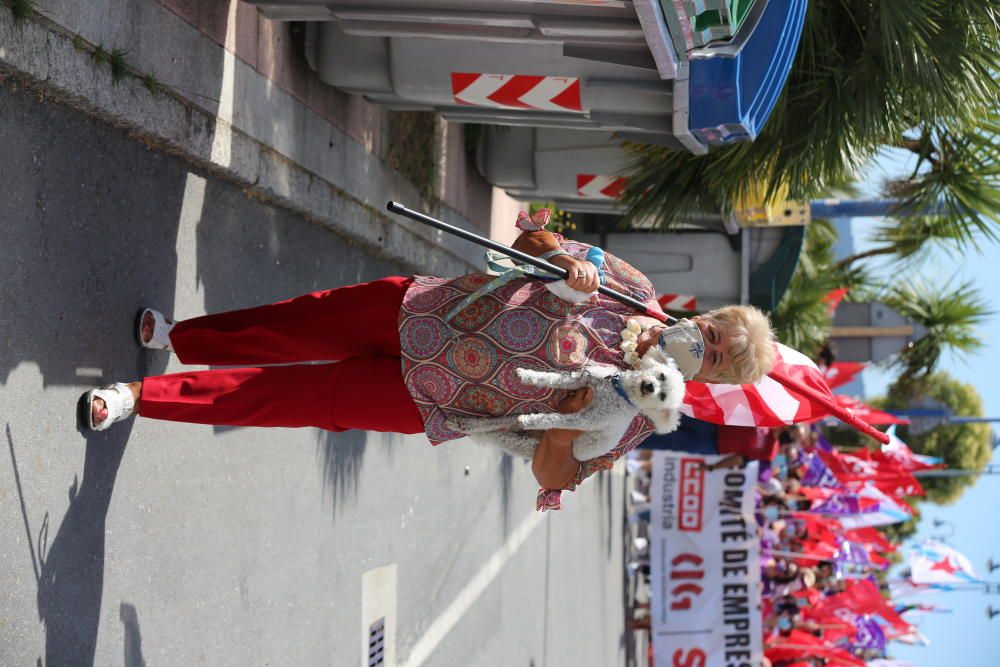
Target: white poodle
(654,390)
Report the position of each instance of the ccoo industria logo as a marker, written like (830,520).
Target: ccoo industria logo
(692,494)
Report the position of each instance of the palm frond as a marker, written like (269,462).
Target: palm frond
(866,74)
(950,315)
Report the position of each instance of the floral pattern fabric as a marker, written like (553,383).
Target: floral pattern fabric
(466,366)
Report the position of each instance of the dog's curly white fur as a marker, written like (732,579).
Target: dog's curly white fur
(655,390)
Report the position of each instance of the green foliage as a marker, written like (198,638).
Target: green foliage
(950,316)
(152,84)
(22,10)
(846,438)
(101,55)
(412,149)
(957,175)
(899,532)
(79,44)
(801,319)
(866,74)
(119,68)
(962,446)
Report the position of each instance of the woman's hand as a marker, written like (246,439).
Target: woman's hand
(575,401)
(553,464)
(648,338)
(582,275)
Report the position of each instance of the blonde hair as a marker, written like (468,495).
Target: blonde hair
(751,343)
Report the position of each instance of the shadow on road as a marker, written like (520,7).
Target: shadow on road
(92,231)
(340,456)
(506,480)
(71,579)
(90,224)
(133,637)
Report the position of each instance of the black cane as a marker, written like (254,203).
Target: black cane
(557,271)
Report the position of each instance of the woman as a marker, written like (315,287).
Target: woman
(411,352)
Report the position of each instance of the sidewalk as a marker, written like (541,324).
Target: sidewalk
(230,91)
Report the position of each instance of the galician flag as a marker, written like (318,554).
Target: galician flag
(933,562)
(794,392)
(889,511)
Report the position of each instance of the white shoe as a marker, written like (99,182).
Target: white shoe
(160,340)
(117,399)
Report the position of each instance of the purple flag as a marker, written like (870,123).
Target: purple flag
(821,440)
(869,634)
(817,474)
(844,503)
(851,552)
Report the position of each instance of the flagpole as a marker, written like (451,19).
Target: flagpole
(989,469)
(837,411)
(399,209)
(796,554)
(813,394)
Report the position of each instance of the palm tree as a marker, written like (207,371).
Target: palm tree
(950,316)
(869,73)
(952,194)
(802,318)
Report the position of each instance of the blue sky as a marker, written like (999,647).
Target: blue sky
(963,637)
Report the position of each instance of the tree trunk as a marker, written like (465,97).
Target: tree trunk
(874,252)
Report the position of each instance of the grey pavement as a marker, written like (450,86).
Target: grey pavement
(175,544)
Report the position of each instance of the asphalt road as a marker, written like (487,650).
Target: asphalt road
(174,544)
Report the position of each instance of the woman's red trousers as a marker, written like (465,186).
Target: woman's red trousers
(356,327)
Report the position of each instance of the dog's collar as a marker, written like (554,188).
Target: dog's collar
(616,382)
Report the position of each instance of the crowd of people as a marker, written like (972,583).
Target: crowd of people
(818,509)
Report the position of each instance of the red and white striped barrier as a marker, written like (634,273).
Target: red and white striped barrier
(678,302)
(516,91)
(596,186)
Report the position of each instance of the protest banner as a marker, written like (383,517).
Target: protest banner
(704,564)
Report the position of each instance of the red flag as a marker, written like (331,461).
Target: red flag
(861,596)
(900,454)
(854,472)
(841,372)
(871,537)
(845,467)
(792,393)
(868,413)
(815,493)
(880,561)
(800,644)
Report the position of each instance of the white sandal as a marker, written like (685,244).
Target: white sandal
(160,339)
(117,399)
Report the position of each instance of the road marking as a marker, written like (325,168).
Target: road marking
(444,623)
(378,603)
